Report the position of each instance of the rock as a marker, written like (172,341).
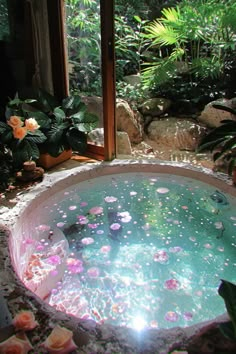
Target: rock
(176,133)
(212,117)
(123,144)
(128,122)
(94,105)
(96,136)
(122,140)
(155,106)
(133,80)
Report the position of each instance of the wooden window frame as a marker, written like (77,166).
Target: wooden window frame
(56,14)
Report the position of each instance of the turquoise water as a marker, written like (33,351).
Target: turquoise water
(143,249)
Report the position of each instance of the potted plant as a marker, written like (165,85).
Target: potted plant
(69,123)
(221,141)
(56,128)
(20,133)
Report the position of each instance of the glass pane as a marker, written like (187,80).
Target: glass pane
(84,58)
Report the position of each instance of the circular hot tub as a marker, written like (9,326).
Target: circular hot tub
(128,245)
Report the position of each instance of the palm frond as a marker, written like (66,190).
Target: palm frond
(161,34)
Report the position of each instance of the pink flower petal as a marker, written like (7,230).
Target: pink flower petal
(115,226)
(93,272)
(96,210)
(87,240)
(110,199)
(172,284)
(171,316)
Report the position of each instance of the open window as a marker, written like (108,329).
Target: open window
(76,52)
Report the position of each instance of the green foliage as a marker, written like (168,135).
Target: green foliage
(222,140)
(227,291)
(6,166)
(84,45)
(69,124)
(129,45)
(24,148)
(4,24)
(134,95)
(195,35)
(57,127)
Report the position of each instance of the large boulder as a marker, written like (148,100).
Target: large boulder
(182,134)
(96,136)
(129,122)
(212,117)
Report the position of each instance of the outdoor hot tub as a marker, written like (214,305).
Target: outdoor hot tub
(131,246)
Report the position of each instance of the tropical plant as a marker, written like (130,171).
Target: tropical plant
(129,45)
(222,140)
(20,132)
(43,124)
(84,44)
(65,125)
(227,291)
(133,94)
(194,37)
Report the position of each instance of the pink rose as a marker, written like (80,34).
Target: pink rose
(15,345)
(19,132)
(31,124)
(15,122)
(60,341)
(25,321)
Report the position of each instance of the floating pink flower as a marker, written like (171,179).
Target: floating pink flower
(43,227)
(171,316)
(105,249)
(83,204)
(125,216)
(172,284)
(60,224)
(110,199)
(161,257)
(96,210)
(188,316)
(29,241)
(72,207)
(75,266)
(93,272)
(54,260)
(87,240)
(162,190)
(208,245)
(175,249)
(40,248)
(115,226)
(82,219)
(92,226)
